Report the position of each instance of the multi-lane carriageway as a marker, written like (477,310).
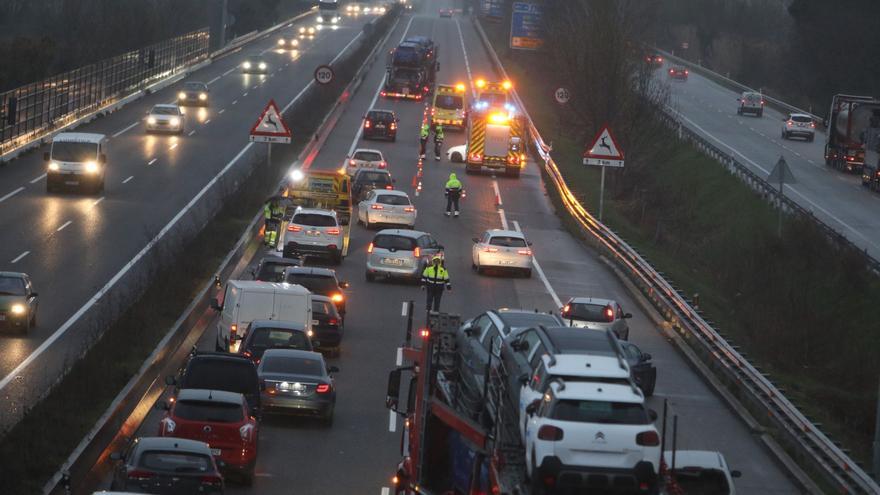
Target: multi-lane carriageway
(358,454)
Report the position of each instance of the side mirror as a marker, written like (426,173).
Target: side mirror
(469,330)
(736,474)
(652,414)
(344,285)
(162,405)
(34,294)
(475,239)
(627,315)
(392,395)
(332,369)
(533,407)
(117,456)
(528,243)
(46,156)
(215,304)
(739,99)
(524,379)
(170,380)
(645,357)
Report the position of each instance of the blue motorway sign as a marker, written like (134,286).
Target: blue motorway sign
(492,8)
(526,28)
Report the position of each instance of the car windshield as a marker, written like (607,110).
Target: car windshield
(271,272)
(801,118)
(11,286)
(590,379)
(231,376)
(588,312)
(316,283)
(507,241)
(324,308)
(392,199)
(493,99)
(368,156)
(525,320)
(373,178)
(279,338)
(703,481)
(577,341)
(314,220)
(165,111)
(195,86)
(752,97)
(255,60)
(208,411)
(397,243)
(293,365)
(381,116)
(599,411)
(449,102)
(177,462)
(74,152)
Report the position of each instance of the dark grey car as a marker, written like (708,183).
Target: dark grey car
(167,466)
(297,382)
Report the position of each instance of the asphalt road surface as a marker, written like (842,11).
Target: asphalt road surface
(74,246)
(359,454)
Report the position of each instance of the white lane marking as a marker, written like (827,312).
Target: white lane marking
(245,93)
(234,102)
(123,131)
(128,179)
(385,491)
(399,360)
(541,273)
(404,307)
(38,179)
(212,81)
(13,193)
(503,219)
(221,111)
(98,201)
(20,256)
(811,161)
(497,192)
(762,169)
(392,421)
(143,252)
(152,161)
(230,71)
(207,122)
(256,86)
(191,132)
(173,145)
(64,226)
(467,65)
(357,135)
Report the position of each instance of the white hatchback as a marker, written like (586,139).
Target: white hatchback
(798,124)
(365,158)
(313,232)
(384,207)
(164,118)
(502,249)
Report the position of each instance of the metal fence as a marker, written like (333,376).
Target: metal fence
(28,112)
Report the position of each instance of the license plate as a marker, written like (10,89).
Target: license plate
(215,451)
(314,232)
(392,261)
(506,262)
(315,322)
(71,182)
(380,126)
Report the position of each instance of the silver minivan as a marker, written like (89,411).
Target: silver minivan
(400,253)
(751,102)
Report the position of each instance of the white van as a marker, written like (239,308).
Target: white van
(246,300)
(77,159)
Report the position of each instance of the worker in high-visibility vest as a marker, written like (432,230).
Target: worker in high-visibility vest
(435,279)
(453,194)
(424,133)
(272,213)
(438,141)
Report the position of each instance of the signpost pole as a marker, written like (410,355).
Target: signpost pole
(269,154)
(781,196)
(602,194)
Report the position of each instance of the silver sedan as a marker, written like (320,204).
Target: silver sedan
(387,207)
(596,314)
(503,250)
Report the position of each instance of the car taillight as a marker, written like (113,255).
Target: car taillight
(762,103)
(550,433)
(609,313)
(790,122)
(333,231)
(648,439)
(389,187)
(660,59)
(233,329)
(409,209)
(140,475)
(246,432)
(294,228)
(383,93)
(417,252)
(367,124)
(566,309)
(247,354)
(212,480)
(393,126)
(491,250)
(813,125)
(322,388)
(352,163)
(377,207)
(476,157)
(671,71)
(512,159)
(337,298)
(383,165)
(333,321)
(527,252)
(370,248)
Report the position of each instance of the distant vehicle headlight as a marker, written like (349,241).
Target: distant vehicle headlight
(311,30)
(92,167)
(262,65)
(151,120)
(203,96)
(320,18)
(281,41)
(246,65)
(334,20)
(53,166)
(297,175)
(181,95)
(302,30)
(17,309)
(294,42)
(174,121)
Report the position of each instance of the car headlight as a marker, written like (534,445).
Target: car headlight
(311,30)
(297,175)
(302,30)
(246,65)
(174,121)
(281,42)
(53,166)
(203,96)
(320,19)
(262,65)
(334,20)
(294,42)
(181,95)
(151,120)
(92,167)
(17,309)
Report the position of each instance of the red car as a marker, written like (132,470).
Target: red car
(221,420)
(679,73)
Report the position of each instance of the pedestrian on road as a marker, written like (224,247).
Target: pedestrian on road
(424,133)
(438,141)
(272,213)
(453,194)
(435,279)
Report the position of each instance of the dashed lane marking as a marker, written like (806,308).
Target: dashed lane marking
(207,122)
(38,179)
(173,145)
(19,257)
(128,179)
(13,193)
(540,272)
(64,226)
(123,131)
(191,132)
(221,111)
(212,81)
(98,201)
(152,161)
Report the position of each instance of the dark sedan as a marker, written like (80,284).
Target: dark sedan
(367,180)
(297,382)
(643,371)
(321,281)
(678,73)
(380,124)
(18,302)
(166,465)
(193,94)
(271,268)
(262,335)
(328,329)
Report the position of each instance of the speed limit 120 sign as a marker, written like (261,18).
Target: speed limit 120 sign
(562,96)
(324,74)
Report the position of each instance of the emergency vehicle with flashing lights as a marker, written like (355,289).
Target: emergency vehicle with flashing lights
(449,108)
(496,131)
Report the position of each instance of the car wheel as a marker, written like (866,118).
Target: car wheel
(811,138)
(247,478)
(327,420)
(369,276)
(394,138)
(784,135)
(456,157)
(336,259)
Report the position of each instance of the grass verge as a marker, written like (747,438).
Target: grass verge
(800,307)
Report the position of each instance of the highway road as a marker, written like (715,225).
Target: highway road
(358,454)
(836,198)
(77,247)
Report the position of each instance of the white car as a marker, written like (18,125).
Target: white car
(596,314)
(702,471)
(799,124)
(582,435)
(502,249)
(572,368)
(313,232)
(456,154)
(385,207)
(365,158)
(164,118)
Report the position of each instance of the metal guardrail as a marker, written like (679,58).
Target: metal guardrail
(834,464)
(736,84)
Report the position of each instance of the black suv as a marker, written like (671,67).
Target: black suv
(366,180)
(380,124)
(321,281)
(271,268)
(220,371)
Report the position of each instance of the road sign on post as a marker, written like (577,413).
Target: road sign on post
(562,95)
(324,74)
(270,128)
(526,26)
(604,153)
(781,175)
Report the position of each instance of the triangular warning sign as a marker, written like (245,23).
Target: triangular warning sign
(604,147)
(271,124)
